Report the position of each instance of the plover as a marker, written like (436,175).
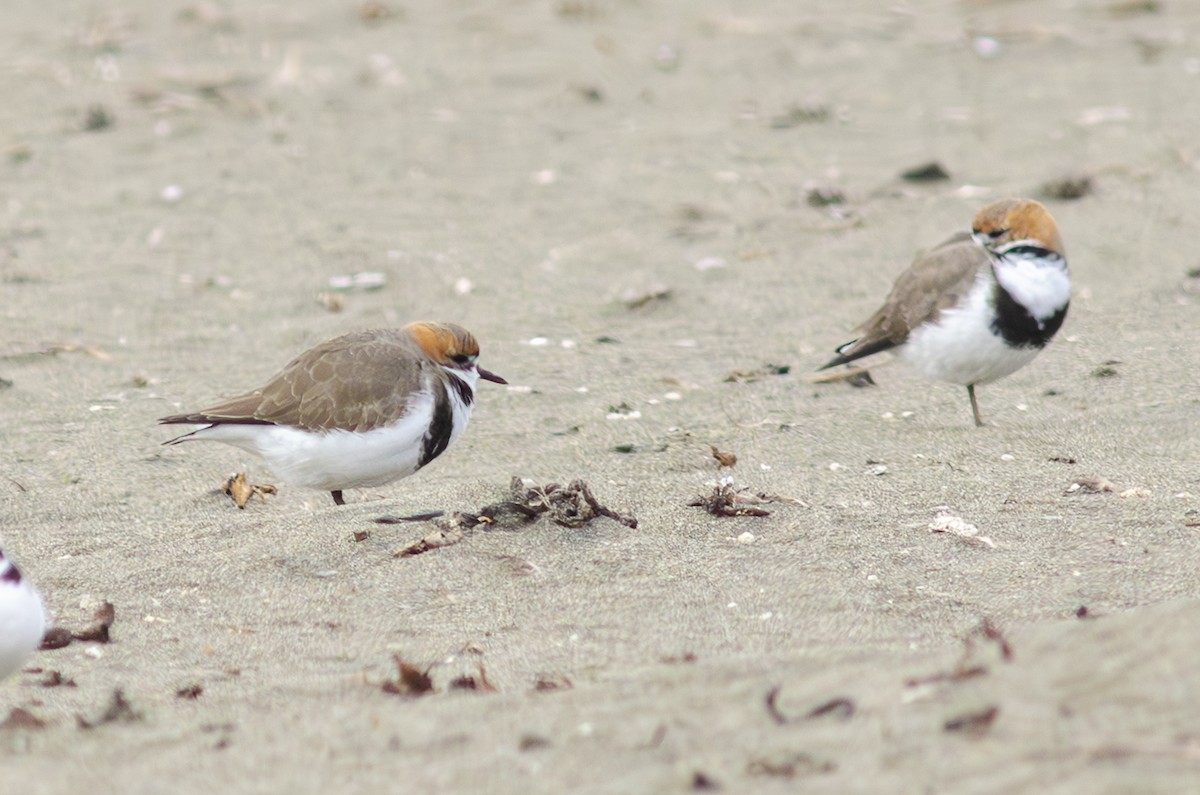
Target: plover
(978,307)
(361,410)
(22,618)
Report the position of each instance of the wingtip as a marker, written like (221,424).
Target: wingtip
(834,362)
(179,419)
(841,357)
(857,349)
(177,439)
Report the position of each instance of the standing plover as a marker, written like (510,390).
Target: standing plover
(363,409)
(979,306)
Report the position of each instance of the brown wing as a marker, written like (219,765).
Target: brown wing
(936,280)
(355,382)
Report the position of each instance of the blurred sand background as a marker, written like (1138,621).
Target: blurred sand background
(180,181)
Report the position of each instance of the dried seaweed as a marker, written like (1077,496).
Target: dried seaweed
(410,680)
(572,505)
(729,499)
(725,458)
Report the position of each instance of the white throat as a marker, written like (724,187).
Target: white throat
(468,377)
(1040,284)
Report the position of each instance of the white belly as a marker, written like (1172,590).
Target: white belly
(22,623)
(960,347)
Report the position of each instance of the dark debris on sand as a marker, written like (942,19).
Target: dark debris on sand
(572,505)
(729,499)
(22,719)
(96,632)
(410,680)
(986,635)
(839,706)
(119,710)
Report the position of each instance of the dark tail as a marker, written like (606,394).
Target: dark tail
(187,437)
(185,419)
(207,420)
(848,353)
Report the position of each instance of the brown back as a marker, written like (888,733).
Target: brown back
(359,381)
(937,279)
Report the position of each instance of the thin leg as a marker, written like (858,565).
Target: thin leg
(337,495)
(974,406)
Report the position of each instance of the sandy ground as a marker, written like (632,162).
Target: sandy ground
(524,168)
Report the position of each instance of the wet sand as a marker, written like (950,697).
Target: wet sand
(529,170)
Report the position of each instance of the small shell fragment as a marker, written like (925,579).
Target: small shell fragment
(946,522)
(364,280)
(1135,492)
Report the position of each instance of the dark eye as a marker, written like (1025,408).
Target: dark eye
(995,233)
(461,359)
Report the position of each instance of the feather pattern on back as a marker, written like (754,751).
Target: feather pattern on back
(937,280)
(357,382)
